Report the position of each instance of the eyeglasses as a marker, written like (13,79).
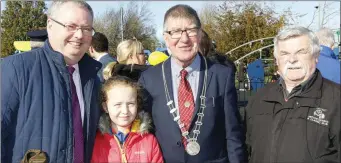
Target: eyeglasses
(191,32)
(142,54)
(74,28)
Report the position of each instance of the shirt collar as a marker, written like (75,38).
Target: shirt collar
(194,66)
(299,88)
(99,58)
(76,68)
(121,136)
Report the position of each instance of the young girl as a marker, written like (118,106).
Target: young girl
(123,128)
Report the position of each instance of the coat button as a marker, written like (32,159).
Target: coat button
(178,143)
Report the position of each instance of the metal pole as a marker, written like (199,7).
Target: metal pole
(122,23)
(319,25)
(260,54)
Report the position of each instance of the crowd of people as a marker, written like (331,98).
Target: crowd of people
(59,104)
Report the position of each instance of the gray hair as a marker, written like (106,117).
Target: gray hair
(181,11)
(326,37)
(55,6)
(294,32)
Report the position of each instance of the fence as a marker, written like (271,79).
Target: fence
(247,88)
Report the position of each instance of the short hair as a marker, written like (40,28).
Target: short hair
(326,37)
(293,32)
(128,48)
(100,42)
(56,5)
(181,11)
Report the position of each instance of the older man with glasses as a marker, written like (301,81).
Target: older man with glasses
(192,100)
(49,95)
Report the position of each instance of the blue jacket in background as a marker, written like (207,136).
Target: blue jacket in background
(105,60)
(329,65)
(36,110)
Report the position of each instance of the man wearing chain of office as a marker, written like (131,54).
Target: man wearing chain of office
(192,100)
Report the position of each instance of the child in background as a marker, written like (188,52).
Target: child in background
(123,134)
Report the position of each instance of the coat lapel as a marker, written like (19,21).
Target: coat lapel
(201,85)
(169,81)
(88,70)
(168,76)
(88,73)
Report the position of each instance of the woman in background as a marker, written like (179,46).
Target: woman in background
(131,59)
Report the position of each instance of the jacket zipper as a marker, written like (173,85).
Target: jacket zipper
(122,149)
(87,106)
(279,138)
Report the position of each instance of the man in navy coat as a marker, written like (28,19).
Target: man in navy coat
(49,95)
(99,50)
(192,100)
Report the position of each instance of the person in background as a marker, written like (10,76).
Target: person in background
(131,52)
(99,50)
(296,119)
(207,49)
(37,38)
(328,63)
(124,128)
(49,96)
(131,59)
(193,101)
(107,71)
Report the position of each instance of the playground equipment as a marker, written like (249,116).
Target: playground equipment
(255,70)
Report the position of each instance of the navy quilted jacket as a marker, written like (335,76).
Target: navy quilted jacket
(36,105)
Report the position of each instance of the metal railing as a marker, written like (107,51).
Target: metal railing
(247,88)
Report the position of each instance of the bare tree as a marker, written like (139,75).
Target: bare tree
(136,23)
(328,10)
(325,12)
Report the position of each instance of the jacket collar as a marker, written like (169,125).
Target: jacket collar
(87,65)
(312,90)
(142,124)
(327,52)
(194,66)
(168,76)
(103,56)
(56,57)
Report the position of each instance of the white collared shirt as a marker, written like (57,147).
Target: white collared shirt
(193,77)
(101,56)
(77,80)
